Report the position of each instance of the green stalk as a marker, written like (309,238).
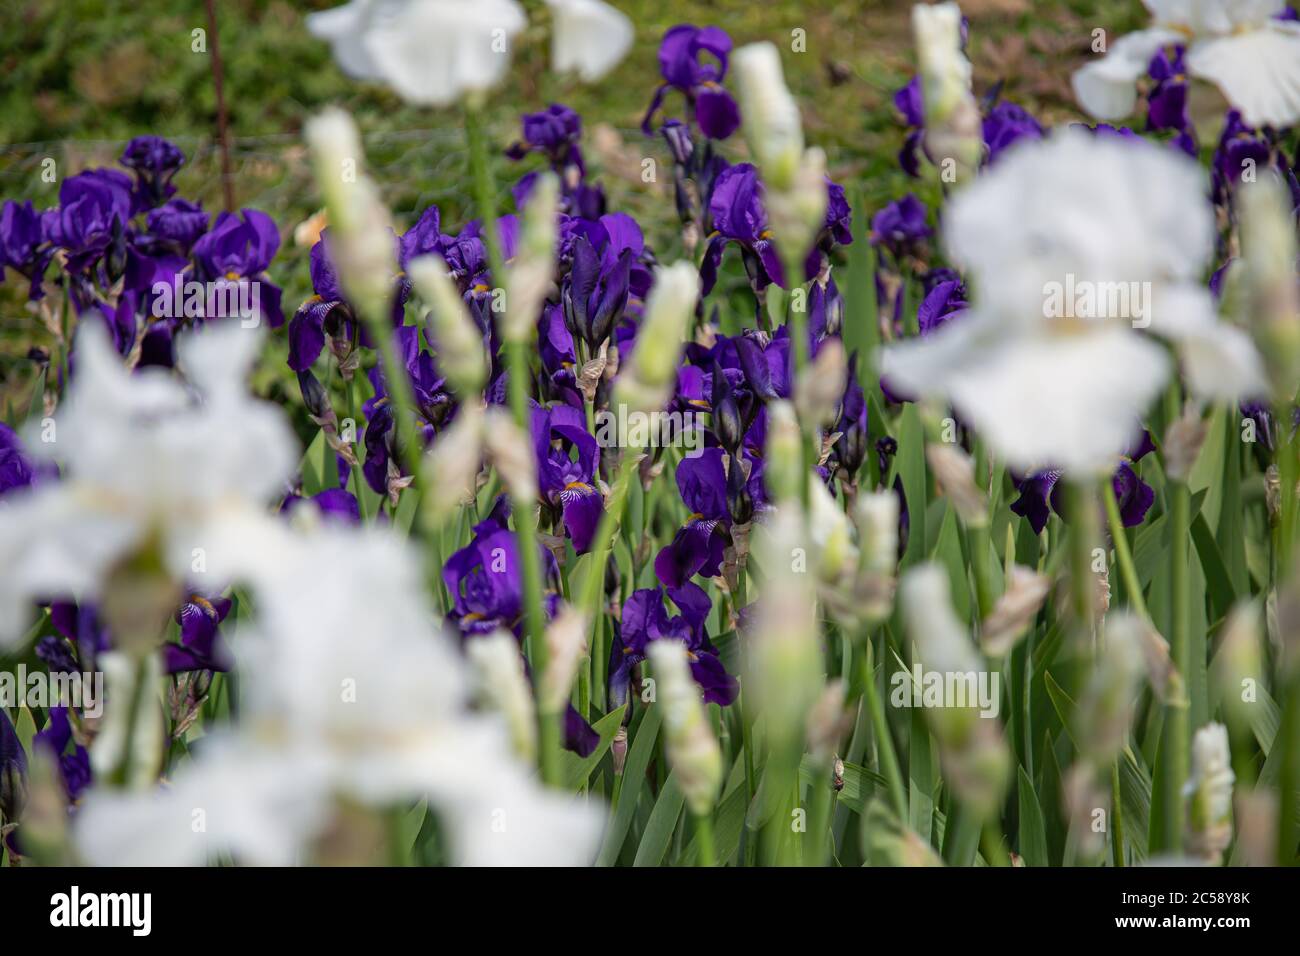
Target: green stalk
(880,729)
(523,511)
(1174,739)
(704,838)
(358,477)
(1123,556)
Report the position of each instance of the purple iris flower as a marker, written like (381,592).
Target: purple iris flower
(86,636)
(555,133)
(239,248)
(23,245)
(644,619)
(91,219)
(693,61)
(433,402)
(1167,101)
(335,504)
(17,470)
(709,484)
(201,647)
(910,102)
(559,357)
(736,215)
(1040,493)
(13,767)
(766,361)
(73,760)
(595,292)
(1240,147)
(325,313)
(1006,123)
(567,459)
(154,161)
(850,448)
(901,226)
(485,582)
(175,226)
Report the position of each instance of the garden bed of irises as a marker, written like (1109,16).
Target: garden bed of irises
(960,535)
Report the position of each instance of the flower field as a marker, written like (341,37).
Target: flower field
(573,433)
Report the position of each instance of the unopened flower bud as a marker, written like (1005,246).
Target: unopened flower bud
(648,376)
(1272,290)
(531,274)
(876,515)
(821,388)
(1209,794)
(453,466)
(1106,708)
(955,474)
(769,114)
(1014,611)
(511,452)
(363,247)
(784,452)
(832,535)
(952,118)
(693,751)
(566,645)
(1238,665)
(503,685)
(452,332)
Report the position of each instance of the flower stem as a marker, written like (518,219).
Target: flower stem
(1123,556)
(518,377)
(704,838)
(1175,736)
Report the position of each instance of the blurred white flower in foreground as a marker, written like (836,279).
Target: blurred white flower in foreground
(1239,45)
(431,52)
(1077,245)
(351,691)
(952,118)
(434,52)
(146,462)
(590,37)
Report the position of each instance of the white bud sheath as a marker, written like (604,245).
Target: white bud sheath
(784,452)
(876,515)
(1209,793)
(952,119)
(532,272)
(363,247)
(511,452)
(454,335)
(693,751)
(1268,243)
(566,645)
(454,462)
(769,114)
(645,384)
(503,685)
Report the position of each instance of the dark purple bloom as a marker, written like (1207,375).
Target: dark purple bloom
(16,469)
(567,458)
(736,215)
(80,626)
(644,619)
(555,133)
(693,61)
(154,161)
(1240,148)
(901,226)
(91,219)
(23,245)
(335,504)
(1040,493)
(945,301)
(851,447)
(433,403)
(176,225)
(72,758)
(240,249)
(910,103)
(200,647)
(325,314)
(1007,123)
(698,546)
(595,292)
(13,767)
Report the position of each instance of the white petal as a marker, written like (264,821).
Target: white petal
(344,28)
(589,37)
(1258,72)
(433,52)
(1106,88)
(1219,359)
